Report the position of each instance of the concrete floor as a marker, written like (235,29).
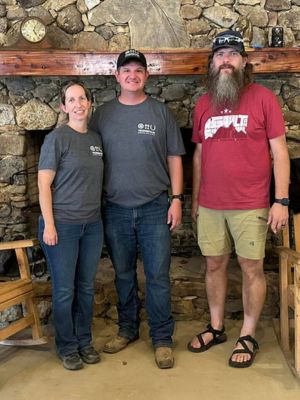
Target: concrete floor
(35,373)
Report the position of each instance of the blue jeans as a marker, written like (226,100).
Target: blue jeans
(146,226)
(73,265)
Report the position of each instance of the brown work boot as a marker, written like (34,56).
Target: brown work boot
(164,357)
(117,343)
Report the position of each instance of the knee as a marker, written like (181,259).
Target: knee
(63,295)
(158,278)
(86,288)
(251,269)
(216,264)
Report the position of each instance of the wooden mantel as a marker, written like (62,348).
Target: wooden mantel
(163,62)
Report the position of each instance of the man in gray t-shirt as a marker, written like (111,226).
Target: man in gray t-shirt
(142,156)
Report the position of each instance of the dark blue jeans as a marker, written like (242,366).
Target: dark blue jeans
(145,227)
(73,265)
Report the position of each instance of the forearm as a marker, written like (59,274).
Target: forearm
(45,180)
(45,198)
(278,214)
(282,176)
(176,174)
(281,170)
(176,178)
(196,172)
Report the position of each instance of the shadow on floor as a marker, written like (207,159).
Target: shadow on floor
(37,373)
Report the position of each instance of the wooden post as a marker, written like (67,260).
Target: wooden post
(284,315)
(297,317)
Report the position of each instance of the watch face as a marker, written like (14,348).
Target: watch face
(284,201)
(33,30)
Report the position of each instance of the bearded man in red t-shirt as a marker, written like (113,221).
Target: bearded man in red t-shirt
(236,124)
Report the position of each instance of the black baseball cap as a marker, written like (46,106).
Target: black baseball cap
(131,55)
(229,39)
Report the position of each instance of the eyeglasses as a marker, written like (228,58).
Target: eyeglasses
(231,40)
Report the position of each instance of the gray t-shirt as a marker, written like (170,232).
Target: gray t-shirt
(77,159)
(137,139)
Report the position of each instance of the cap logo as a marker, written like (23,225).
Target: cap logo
(132,53)
(231,40)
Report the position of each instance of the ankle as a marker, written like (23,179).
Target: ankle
(218,326)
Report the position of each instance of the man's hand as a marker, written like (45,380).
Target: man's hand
(175,214)
(278,217)
(194,212)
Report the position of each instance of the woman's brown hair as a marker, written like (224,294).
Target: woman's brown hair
(72,83)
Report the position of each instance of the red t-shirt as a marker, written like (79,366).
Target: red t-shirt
(236,163)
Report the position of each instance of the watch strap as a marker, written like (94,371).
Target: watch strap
(284,201)
(178,196)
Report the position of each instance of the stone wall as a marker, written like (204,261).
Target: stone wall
(119,24)
(29,108)
(189,300)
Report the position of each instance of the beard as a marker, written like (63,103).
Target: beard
(225,89)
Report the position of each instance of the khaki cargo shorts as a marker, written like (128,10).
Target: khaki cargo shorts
(220,231)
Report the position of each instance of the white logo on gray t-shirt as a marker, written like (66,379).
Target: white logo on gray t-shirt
(96,151)
(146,129)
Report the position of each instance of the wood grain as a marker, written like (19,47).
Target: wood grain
(164,62)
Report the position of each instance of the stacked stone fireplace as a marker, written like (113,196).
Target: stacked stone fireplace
(29,109)
(32,110)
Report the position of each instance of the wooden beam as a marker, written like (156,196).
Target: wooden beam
(163,62)
(18,244)
(16,326)
(14,291)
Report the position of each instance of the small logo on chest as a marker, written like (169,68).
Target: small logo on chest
(96,151)
(146,129)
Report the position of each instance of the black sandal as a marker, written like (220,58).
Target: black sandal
(218,337)
(245,350)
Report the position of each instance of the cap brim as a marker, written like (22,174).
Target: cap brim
(228,46)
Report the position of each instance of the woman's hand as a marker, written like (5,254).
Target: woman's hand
(50,235)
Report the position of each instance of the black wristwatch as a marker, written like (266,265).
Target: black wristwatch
(284,201)
(178,196)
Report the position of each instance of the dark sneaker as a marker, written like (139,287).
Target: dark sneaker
(72,361)
(89,355)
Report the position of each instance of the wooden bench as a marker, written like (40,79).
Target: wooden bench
(289,278)
(19,291)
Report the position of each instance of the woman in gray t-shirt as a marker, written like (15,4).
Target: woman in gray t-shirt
(70,228)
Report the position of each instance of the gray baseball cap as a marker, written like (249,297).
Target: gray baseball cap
(229,39)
